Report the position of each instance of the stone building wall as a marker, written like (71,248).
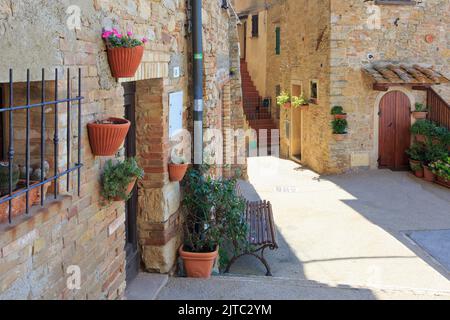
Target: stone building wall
(37,250)
(305,56)
(388,32)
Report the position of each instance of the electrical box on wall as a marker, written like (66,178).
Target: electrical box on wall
(176,72)
(175,113)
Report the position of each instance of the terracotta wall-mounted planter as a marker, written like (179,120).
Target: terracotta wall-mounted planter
(129,190)
(19,204)
(287,105)
(106,138)
(177,172)
(199,265)
(420,115)
(124,62)
(339,137)
(340,116)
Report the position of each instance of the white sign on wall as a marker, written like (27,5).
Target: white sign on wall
(175,113)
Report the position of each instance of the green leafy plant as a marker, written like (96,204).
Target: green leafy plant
(441,168)
(420,107)
(283,98)
(434,152)
(339,126)
(416,152)
(298,101)
(118,176)
(423,127)
(337,110)
(213,214)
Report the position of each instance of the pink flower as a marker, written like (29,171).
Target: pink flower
(106,34)
(144,40)
(130,34)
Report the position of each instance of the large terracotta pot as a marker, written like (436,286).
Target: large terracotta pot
(106,138)
(420,115)
(129,190)
(177,172)
(124,62)
(428,174)
(198,265)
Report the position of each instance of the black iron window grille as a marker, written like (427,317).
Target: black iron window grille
(7,114)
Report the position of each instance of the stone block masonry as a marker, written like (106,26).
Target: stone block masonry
(38,251)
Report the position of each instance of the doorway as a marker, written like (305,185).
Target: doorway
(296,127)
(2,129)
(394,132)
(132,249)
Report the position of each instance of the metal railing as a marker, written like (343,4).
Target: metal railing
(10,111)
(439,109)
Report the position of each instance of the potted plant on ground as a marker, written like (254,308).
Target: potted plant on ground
(177,168)
(433,152)
(338,112)
(124,53)
(106,136)
(297,102)
(119,179)
(416,155)
(339,129)
(284,100)
(441,169)
(420,112)
(213,218)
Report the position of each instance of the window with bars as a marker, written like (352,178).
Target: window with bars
(40,139)
(255,25)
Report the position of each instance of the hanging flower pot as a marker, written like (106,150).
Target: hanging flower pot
(177,171)
(106,136)
(130,188)
(420,112)
(287,105)
(124,62)
(124,53)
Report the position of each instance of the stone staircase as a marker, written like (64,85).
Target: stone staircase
(259,118)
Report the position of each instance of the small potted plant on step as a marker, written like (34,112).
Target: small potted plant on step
(106,136)
(284,100)
(213,218)
(339,129)
(338,113)
(119,179)
(420,112)
(416,155)
(124,53)
(177,168)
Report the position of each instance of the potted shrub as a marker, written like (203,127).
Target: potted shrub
(284,100)
(338,112)
(339,129)
(420,112)
(441,169)
(177,168)
(416,155)
(124,53)
(106,136)
(433,152)
(422,129)
(213,218)
(300,101)
(119,179)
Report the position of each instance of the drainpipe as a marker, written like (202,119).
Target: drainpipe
(197,47)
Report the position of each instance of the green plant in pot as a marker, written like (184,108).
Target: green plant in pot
(298,101)
(339,129)
(284,100)
(5,178)
(213,218)
(416,155)
(422,130)
(420,111)
(433,152)
(441,169)
(338,112)
(119,178)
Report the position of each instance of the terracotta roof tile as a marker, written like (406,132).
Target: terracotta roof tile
(390,74)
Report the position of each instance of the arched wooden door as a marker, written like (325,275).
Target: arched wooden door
(395,137)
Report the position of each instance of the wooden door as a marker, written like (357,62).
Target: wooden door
(132,205)
(395,136)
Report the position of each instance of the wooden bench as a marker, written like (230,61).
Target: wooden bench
(261,231)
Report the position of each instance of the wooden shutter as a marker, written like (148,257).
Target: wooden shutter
(255,25)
